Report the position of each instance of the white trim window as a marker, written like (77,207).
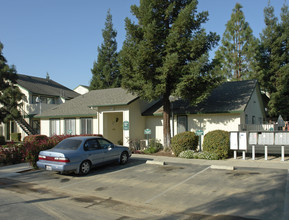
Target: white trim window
(85,125)
(182,123)
(69,126)
(54,127)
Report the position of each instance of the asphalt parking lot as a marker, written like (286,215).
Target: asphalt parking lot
(174,191)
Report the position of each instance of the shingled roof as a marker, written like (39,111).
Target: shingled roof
(83,104)
(43,86)
(229,97)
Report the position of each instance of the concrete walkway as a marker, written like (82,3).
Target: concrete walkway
(259,162)
(14,170)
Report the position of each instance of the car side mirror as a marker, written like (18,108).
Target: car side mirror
(110,147)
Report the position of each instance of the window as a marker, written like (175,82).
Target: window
(50,100)
(91,145)
(253,120)
(86,125)
(54,127)
(42,99)
(68,144)
(246,119)
(104,144)
(69,126)
(182,123)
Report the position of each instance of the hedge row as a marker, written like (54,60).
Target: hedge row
(29,149)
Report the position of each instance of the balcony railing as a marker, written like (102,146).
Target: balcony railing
(260,127)
(33,109)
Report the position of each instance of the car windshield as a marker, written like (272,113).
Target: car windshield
(68,144)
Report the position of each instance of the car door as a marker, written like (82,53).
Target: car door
(93,151)
(109,152)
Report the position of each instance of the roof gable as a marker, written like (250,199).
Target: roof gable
(227,98)
(42,86)
(83,104)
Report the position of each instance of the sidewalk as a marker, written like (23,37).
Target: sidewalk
(259,162)
(14,170)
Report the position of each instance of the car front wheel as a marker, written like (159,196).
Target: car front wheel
(123,158)
(84,168)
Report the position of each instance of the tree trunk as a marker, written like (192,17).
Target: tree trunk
(166,122)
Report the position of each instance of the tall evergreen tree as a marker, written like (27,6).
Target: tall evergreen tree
(273,61)
(269,52)
(279,103)
(105,71)
(236,54)
(10,94)
(167,53)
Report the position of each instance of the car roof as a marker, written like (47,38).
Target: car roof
(83,137)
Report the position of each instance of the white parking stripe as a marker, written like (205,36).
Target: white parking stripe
(286,202)
(173,187)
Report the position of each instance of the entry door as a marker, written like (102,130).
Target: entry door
(182,123)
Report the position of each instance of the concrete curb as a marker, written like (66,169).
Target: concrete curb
(220,167)
(161,163)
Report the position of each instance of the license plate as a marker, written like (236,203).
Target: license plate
(48,168)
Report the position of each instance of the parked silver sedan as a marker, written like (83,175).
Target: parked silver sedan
(80,154)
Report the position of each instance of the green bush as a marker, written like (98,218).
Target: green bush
(2,140)
(32,149)
(217,142)
(16,137)
(32,138)
(12,154)
(154,147)
(190,154)
(184,141)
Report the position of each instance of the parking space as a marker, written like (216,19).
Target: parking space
(173,190)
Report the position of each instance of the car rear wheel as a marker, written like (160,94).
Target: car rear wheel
(123,158)
(84,168)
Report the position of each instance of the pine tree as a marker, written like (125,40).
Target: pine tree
(10,95)
(236,54)
(273,61)
(279,89)
(105,71)
(167,53)
(269,52)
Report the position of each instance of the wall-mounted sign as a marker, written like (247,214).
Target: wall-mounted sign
(199,132)
(147,131)
(125,125)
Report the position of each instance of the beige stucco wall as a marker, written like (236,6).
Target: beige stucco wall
(210,122)
(81,90)
(254,108)
(137,121)
(44,127)
(206,122)
(155,123)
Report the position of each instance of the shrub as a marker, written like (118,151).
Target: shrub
(217,142)
(190,154)
(12,154)
(2,140)
(32,149)
(16,137)
(184,141)
(154,147)
(32,138)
